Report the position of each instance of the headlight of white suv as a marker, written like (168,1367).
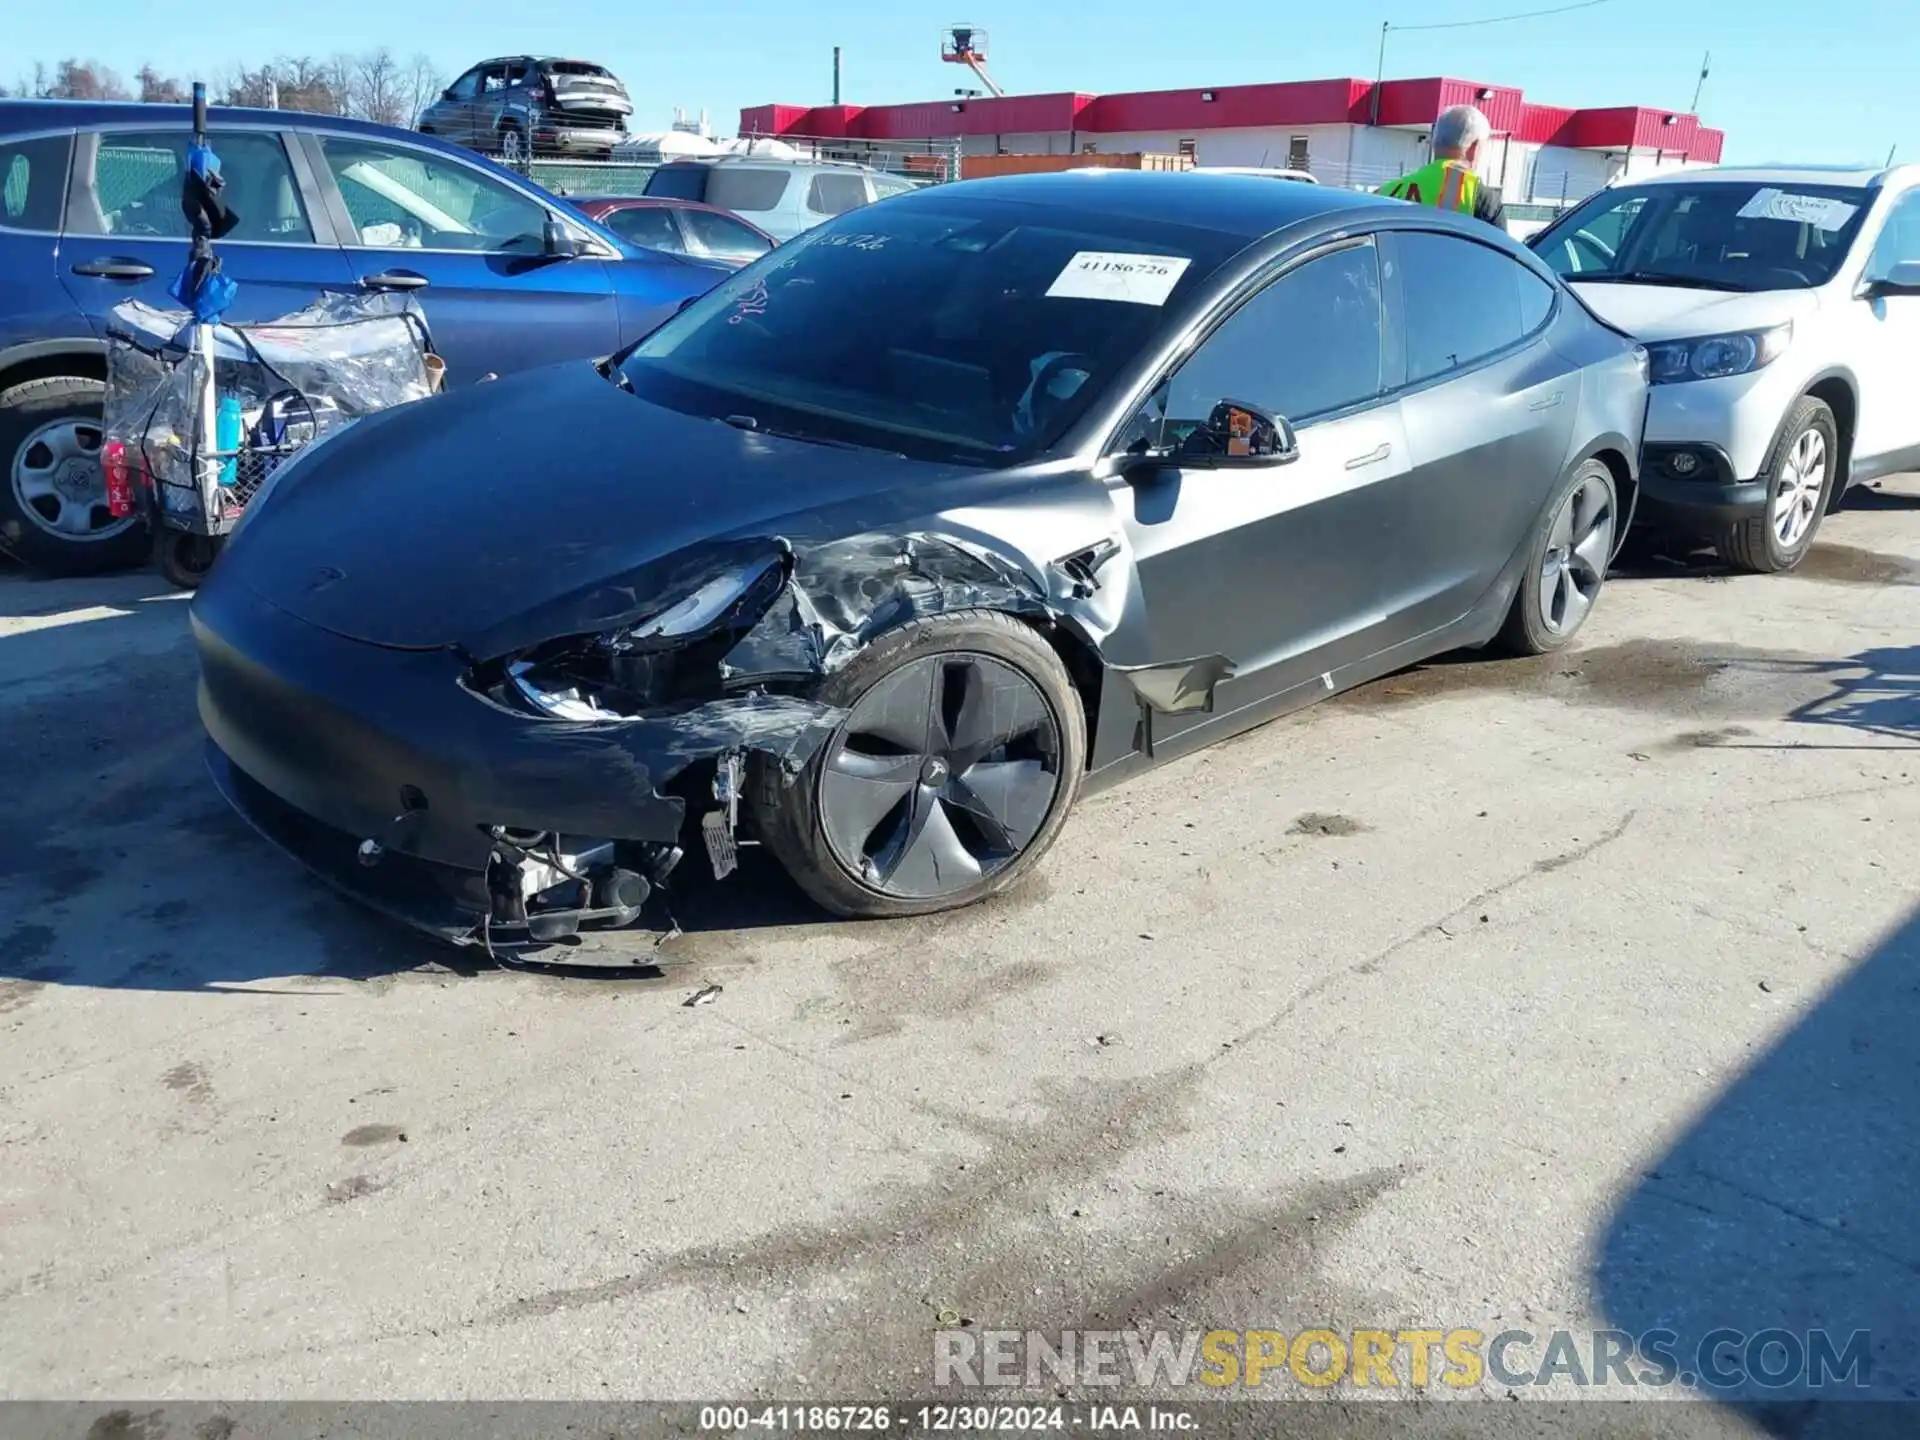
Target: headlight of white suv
(1712,357)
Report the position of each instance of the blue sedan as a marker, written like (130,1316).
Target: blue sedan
(509,277)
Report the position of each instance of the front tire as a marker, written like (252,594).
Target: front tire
(1573,544)
(53,494)
(1801,472)
(950,777)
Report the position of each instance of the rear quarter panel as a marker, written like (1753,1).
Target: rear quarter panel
(1612,413)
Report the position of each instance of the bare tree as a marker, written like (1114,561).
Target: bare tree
(373,86)
(156,88)
(422,86)
(254,89)
(378,91)
(79,80)
(310,85)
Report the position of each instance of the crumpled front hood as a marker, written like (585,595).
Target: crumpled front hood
(1672,312)
(552,492)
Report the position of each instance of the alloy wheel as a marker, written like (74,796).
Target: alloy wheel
(1579,547)
(941,776)
(1803,478)
(58,483)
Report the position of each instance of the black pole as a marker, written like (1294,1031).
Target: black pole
(836,74)
(202,243)
(1379,77)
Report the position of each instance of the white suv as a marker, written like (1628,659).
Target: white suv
(1781,312)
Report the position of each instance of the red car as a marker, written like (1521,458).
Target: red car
(680,227)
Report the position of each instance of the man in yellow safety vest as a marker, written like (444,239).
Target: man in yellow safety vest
(1450,183)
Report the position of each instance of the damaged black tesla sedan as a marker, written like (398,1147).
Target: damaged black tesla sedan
(886,549)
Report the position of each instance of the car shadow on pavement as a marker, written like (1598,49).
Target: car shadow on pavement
(1877,693)
(122,868)
(1788,1206)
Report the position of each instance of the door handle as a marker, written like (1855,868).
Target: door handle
(395,280)
(114,269)
(1547,404)
(1373,456)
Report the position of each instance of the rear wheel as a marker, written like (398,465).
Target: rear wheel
(950,777)
(1800,474)
(1567,564)
(53,507)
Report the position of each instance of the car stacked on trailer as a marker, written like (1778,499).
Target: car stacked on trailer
(521,106)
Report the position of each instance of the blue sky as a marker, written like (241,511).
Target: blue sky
(1832,81)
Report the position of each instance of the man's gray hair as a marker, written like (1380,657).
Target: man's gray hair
(1459,126)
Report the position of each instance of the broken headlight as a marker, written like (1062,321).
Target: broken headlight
(669,656)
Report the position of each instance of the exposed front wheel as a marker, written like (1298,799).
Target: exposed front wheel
(1567,564)
(1800,474)
(951,775)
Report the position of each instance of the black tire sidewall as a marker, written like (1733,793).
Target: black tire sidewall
(24,408)
(1526,632)
(1807,414)
(787,811)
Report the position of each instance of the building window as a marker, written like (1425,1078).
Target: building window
(1297,153)
(1089,148)
(1187,149)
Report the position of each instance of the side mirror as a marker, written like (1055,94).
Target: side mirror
(1237,434)
(447,94)
(557,241)
(1902,279)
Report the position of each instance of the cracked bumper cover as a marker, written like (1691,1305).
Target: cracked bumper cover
(321,742)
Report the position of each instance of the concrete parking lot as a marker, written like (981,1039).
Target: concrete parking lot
(1575,993)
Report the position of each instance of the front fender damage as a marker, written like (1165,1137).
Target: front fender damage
(740,679)
(741,684)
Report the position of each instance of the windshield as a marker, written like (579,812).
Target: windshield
(944,328)
(1714,234)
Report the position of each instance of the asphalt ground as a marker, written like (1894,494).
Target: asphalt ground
(1570,994)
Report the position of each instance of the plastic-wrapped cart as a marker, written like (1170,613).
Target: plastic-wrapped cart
(191,460)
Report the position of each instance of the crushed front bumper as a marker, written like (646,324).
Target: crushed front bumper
(382,773)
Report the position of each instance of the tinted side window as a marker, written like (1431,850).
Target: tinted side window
(647,225)
(723,235)
(679,182)
(1462,301)
(466,87)
(136,187)
(1307,344)
(746,189)
(33,182)
(836,194)
(402,198)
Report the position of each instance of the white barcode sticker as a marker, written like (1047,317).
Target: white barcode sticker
(1112,275)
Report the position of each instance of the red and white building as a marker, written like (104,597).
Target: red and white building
(1347,132)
